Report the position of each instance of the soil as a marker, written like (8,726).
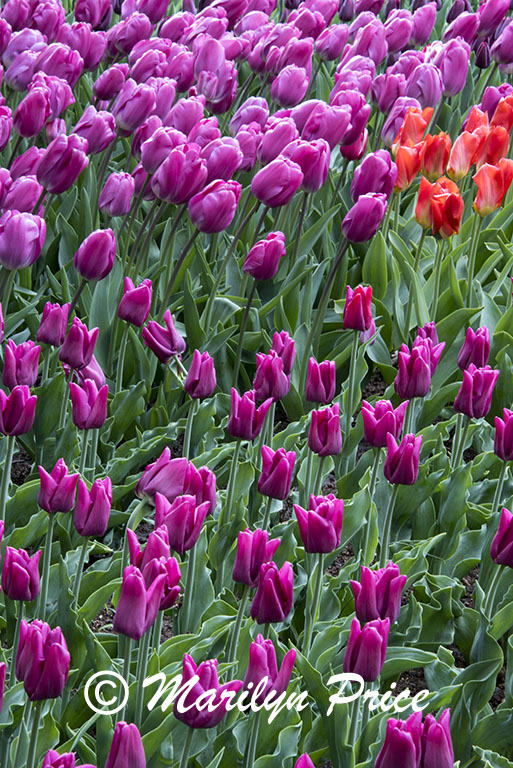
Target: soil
(413,679)
(103,622)
(375,387)
(21,467)
(469,582)
(341,559)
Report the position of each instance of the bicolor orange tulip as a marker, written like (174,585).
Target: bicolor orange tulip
(503,114)
(408,161)
(494,147)
(439,206)
(413,128)
(493,181)
(476,119)
(423,208)
(436,155)
(464,151)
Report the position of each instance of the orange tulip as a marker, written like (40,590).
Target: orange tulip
(408,161)
(493,181)
(413,128)
(423,208)
(494,147)
(503,114)
(476,119)
(439,206)
(435,155)
(464,151)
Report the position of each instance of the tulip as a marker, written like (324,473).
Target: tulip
(475,396)
(435,155)
(205,131)
(88,404)
(134,103)
(408,160)
(57,489)
(452,59)
(378,596)
(503,442)
(95,257)
(23,195)
(201,378)
(493,181)
(20,364)
(263,259)
(116,196)
(330,43)
(274,596)
(275,184)
(324,435)
(110,82)
(253,110)
(43,660)
(475,348)
(381,419)
(304,760)
(414,374)
(413,126)
(212,210)
(223,158)
(181,176)
(32,112)
(17,411)
(135,303)
(491,14)
(78,347)
(358,308)
(170,569)
(425,85)
(436,741)
(62,163)
(285,348)
(402,461)
(402,743)
(320,527)
(253,549)
(270,380)
(501,550)
(423,22)
(366,649)
(313,157)
(67,760)
(376,173)
(20,575)
(501,51)
(153,143)
(246,420)
(22,237)
(186,113)
(183,519)
(276,474)
(278,134)
(175,477)
(290,87)
(26,163)
(263,664)
(439,206)
(127,747)
(80,37)
(92,510)
(138,605)
(364,219)
(97,128)
(164,342)
(208,680)
(157,546)
(320,381)
(396,118)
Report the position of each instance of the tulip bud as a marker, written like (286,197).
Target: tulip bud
(378,596)
(17,411)
(176,477)
(274,596)
(169,568)
(414,374)
(503,442)
(263,259)
(135,303)
(358,308)
(435,155)
(42,662)
(437,749)
(402,742)
(20,364)
(22,237)
(475,349)
(127,747)
(57,489)
(324,435)
(290,86)
(20,575)
(212,210)
(181,175)
(206,674)
(493,181)
(110,82)
(92,510)
(364,219)
(321,526)
(253,549)
(183,519)
(157,546)
(376,173)
(164,342)
(246,420)
(366,649)
(78,347)
(275,184)
(32,112)
(263,664)
(276,474)
(62,163)
(138,605)
(95,256)
(305,761)
(116,196)
(402,461)
(320,381)
(88,405)
(26,163)
(475,396)
(201,378)
(270,378)
(381,419)
(134,103)
(502,545)
(223,158)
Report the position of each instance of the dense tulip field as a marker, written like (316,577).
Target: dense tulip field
(256,335)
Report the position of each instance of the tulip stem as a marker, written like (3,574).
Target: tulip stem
(93,451)
(319,315)
(144,649)
(498,490)
(438,269)
(312,611)
(174,274)
(415,269)
(354,719)
(184,762)
(6,476)
(76,297)
(231,485)
(14,150)
(492,592)
(267,514)
(474,241)
(188,592)
(242,331)
(387,528)
(372,488)
(301,220)
(308,478)
(157,631)
(397,208)
(39,201)
(351,385)
(83,455)
(139,237)
(79,571)
(317,487)
(409,421)
(249,757)
(340,182)
(188,428)
(32,750)
(126,670)
(15,644)
(170,239)
(121,359)
(133,521)
(234,636)
(47,555)
(464,426)
(46,367)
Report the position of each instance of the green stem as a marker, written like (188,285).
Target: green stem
(157,631)
(121,359)
(184,762)
(461,444)
(16,642)
(126,670)
(249,757)
(93,451)
(74,300)
(231,485)
(46,367)
(188,428)
(438,270)
(39,201)
(308,478)
(79,571)
(234,636)
(340,182)
(144,648)
(317,486)
(133,521)
(142,232)
(351,385)
(242,331)
(188,592)
(354,718)
(498,490)
(492,591)
(24,719)
(415,269)
(387,528)
(32,750)
(267,513)
(174,274)
(397,208)
(143,249)
(456,439)
(83,455)
(304,208)
(372,488)
(64,403)
(313,609)
(6,475)
(476,229)
(165,246)
(47,556)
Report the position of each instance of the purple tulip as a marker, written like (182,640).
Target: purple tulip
(176,477)
(275,184)
(208,680)
(20,364)
(133,104)
(313,157)
(376,173)
(475,349)
(97,128)
(127,747)
(181,176)
(88,404)
(23,194)
(304,761)
(135,303)
(402,461)
(452,59)
(169,568)
(183,519)
(80,37)
(200,381)
(502,545)
(138,605)
(263,664)
(503,442)
(270,377)
(274,596)
(398,30)
(59,60)
(396,117)
(212,210)
(276,474)
(320,381)
(253,549)
(284,346)
(153,142)
(92,371)
(253,110)
(62,163)
(110,82)
(22,237)
(475,396)
(423,22)
(92,510)
(20,575)
(464,25)
(116,196)
(425,85)
(330,43)
(366,649)
(402,743)
(324,435)
(436,741)
(278,134)
(223,157)
(164,342)
(246,420)
(57,489)
(502,52)
(358,309)
(320,526)
(386,89)
(26,163)
(124,36)
(290,86)
(380,419)
(263,259)
(491,13)
(157,546)
(186,113)
(17,411)
(364,219)
(67,760)
(378,595)
(414,373)
(43,660)
(78,347)
(205,131)
(95,257)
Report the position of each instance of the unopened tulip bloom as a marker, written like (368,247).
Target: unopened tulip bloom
(195,717)
(32,112)
(475,348)
(212,210)
(135,303)
(67,760)
(475,396)
(88,404)
(408,160)
(110,82)
(305,760)
(246,420)
(92,510)
(364,219)
(20,363)
(380,419)
(201,378)
(376,173)
(116,196)
(378,595)
(183,519)
(313,157)
(501,50)
(502,545)
(23,195)
(181,176)
(324,435)
(17,411)
(320,381)
(435,155)
(276,474)
(396,117)
(138,605)
(436,741)
(78,347)
(132,106)
(423,22)
(402,744)
(263,664)
(176,477)
(366,649)
(414,374)
(157,546)
(290,87)
(402,461)
(439,206)
(223,157)
(358,308)
(285,348)
(320,526)
(20,575)
(493,181)
(503,442)
(57,489)
(253,549)
(452,59)
(170,569)
(126,748)
(43,660)
(22,237)
(425,85)
(95,256)
(275,184)
(164,342)
(270,377)
(263,259)
(97,128)
(330,43)
(491,14)
(274,596)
